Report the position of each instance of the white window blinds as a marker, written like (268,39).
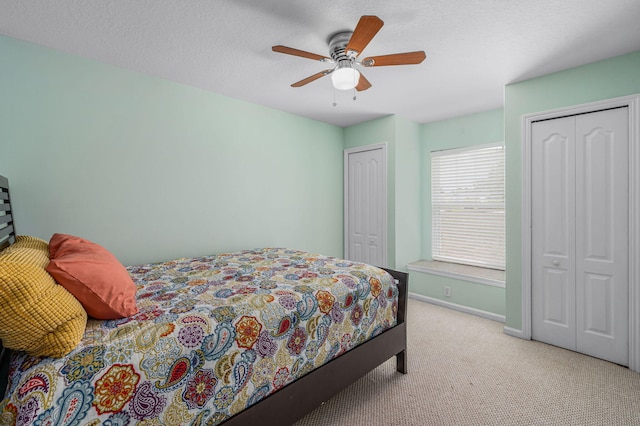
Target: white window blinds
(467,205)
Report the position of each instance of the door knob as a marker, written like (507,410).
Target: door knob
(555,262)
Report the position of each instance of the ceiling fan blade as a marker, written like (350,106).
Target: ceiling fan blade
(363,84)
(311,78)
(409,58)
(301,53)
(367,27)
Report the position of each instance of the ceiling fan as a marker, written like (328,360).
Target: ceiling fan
(344,49)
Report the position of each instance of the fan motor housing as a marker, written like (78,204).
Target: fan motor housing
(337,49)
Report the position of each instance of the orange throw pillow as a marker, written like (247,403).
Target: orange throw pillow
(93,275)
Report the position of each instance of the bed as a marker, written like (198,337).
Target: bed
(260,336)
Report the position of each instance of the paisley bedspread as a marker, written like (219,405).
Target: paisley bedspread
(213,336)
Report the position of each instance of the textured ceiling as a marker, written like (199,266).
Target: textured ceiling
(474,47)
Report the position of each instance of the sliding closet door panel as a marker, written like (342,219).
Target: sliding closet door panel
(553,235)
(602,242)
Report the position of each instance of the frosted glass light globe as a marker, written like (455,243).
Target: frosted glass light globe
(345,78)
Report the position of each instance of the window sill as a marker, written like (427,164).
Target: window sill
(491,277)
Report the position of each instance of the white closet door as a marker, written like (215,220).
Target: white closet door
(553,232)
(366,207)
(579,230)
(602,240)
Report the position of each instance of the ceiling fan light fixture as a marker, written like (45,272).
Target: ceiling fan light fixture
(345,78)
(344,49)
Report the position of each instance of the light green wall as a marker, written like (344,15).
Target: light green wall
(460,132)
(402,138)
(470,130)
(381,130)
(611,78)
(618,76)
(154,170)
(408,215)
(486,298)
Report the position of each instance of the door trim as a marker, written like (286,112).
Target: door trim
(365,148)
(633,104)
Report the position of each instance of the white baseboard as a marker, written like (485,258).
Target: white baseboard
(456,307)
(514,332)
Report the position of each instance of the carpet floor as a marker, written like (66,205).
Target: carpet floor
(463,370)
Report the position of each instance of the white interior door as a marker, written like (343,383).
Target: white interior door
(365,205)
(580,225)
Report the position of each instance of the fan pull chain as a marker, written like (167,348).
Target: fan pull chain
(355,83)
(335,104)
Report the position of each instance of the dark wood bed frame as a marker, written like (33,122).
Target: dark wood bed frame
(297,399)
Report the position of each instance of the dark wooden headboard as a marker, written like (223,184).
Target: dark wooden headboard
(7,229)
(7,237)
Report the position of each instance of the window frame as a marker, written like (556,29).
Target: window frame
(463,218)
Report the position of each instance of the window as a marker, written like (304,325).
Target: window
(467,205)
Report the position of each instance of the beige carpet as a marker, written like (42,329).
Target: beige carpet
(463,370)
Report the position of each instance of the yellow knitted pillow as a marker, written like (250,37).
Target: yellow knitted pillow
(29,250)
(26,241)
(37,315)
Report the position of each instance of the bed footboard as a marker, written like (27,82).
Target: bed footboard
(402,279)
